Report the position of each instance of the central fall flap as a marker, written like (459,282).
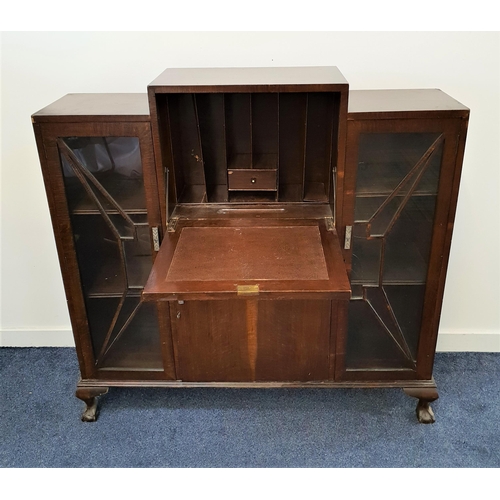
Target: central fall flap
(203,261)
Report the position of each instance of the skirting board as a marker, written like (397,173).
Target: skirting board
(36,338)
(447,341)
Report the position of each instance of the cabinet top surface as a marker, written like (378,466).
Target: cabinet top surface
(175,79)
(402,101)
(74,107)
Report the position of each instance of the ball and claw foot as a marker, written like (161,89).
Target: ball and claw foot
(425,396)
(89,396)
(90,412)
(424,411)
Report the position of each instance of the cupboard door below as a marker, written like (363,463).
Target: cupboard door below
(251,340)
(294,340)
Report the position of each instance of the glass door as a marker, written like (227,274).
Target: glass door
(107,176)
(402,181)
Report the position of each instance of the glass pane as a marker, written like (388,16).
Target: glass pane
(385,159)
(106,199)
(366,255)
(115,163)
(396,192)
(368,344)
(136,332)
(408,243)
(409,318)
(99,256)
(138,257)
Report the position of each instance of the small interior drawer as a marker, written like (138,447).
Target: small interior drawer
(252,180)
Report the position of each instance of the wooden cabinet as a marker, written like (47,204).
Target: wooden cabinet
(101,185)
(403,166)
(245,228)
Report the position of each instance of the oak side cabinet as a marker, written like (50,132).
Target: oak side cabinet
(254,227)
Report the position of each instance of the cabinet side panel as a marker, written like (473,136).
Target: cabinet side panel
(165,175)
(54,188)
(427,346)
(339,176)
(150,182)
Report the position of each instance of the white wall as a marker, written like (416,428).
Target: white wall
(38,68)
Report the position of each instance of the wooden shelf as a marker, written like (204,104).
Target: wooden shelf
(128,194)
(99,252)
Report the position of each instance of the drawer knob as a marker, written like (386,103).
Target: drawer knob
(253,180)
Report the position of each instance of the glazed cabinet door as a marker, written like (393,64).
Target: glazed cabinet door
(106,218)
(401,194)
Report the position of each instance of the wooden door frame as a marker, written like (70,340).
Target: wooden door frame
(454,131)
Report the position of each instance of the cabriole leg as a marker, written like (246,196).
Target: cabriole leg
(89,396)
(425,396)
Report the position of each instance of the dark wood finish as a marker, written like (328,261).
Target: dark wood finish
(89,396)
(292,144)
(251,186)
(451,132)
(340,155)
(251,340)
(265,130)
(318,151)
(337,342)
(210,261)
(293,340)
(212,123)
(210,340)
(252,180)
(48,135)
(324,384)
(64,245)
(203,80)
(163,154)
(247,122)
(254,254)
(425,396)
(427,346)
(403,103)
(95,108)
(270,211)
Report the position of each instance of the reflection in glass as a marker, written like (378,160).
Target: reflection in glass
(106,199)
(396,192)
(114,163)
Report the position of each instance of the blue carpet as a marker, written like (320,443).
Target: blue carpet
(40,421)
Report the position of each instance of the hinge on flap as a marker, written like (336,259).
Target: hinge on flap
(156,239)
(172,225)
(348,236)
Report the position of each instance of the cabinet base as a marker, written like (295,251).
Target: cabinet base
(424,390)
